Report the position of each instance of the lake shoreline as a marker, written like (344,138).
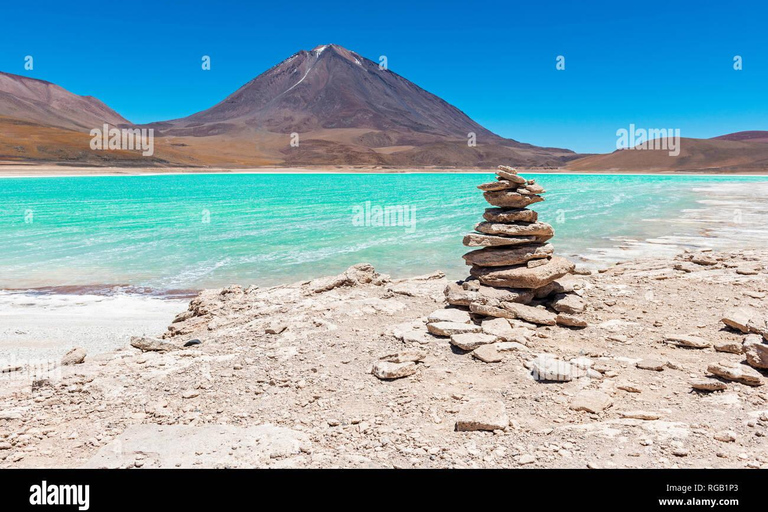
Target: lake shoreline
(51,171)
(296,362)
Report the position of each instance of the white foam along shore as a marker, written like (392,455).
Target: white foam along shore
(42,327)
(730,216)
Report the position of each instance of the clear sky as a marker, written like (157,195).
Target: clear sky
(654,64)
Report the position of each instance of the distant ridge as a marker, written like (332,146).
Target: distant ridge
(749,136)
(725,154)
(47,104)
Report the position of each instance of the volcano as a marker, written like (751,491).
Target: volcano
(346,109)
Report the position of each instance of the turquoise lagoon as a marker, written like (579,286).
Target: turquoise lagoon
(187,232)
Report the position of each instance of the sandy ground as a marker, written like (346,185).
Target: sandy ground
(282,378)
(16,170)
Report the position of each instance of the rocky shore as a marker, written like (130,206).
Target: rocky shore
(669,371)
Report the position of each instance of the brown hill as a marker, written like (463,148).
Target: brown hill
(696,155)
(46,104)
(748,136)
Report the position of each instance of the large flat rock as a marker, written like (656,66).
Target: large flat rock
(538,316)
(450,328)
(521,229)
(496,257)
(483,240)
(482,415)
(498,185)
(459,295)
(510,175)
(510,215)
(506,198)
(523,276)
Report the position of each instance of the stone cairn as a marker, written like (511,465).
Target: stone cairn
(516,280)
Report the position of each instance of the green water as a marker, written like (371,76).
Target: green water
(196,231)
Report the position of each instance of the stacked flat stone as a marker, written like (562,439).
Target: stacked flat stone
(514,272)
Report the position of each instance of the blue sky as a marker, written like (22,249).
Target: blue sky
(625,62)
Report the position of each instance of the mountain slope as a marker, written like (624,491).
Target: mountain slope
(347,110)
(44,103)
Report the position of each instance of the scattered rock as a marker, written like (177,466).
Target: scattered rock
(385,370)
(569,304)
(738,319)
(192,343)
(736,372)
(510,346)
(687,341)
(757,355)
(709,385)
(74,356)
(471,341)
(482,414)
(629,387)
(405,356)
(731,347)
(275,328)
(146,344)
(591,401)
(500,328)
(725,436)
(570,321)
(450,328)
(759,325)
(704,259)
(750,339)
(453,315)
(650,364)
(487,353)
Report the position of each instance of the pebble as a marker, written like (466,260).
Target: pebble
(74,356)
(629,387)
(731,347)
(709,385)
(650,364)
(385,370)
(591,401)
(725,436)
(640,415)
(687,341)
(526,459)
